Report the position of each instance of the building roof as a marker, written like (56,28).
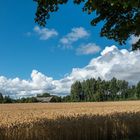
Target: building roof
(44,99)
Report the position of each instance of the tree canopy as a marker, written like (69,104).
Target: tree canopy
(121,17)
(101,90)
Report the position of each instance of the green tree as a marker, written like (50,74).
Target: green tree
(44,95)
(66,98)
(138,90)
(7,99)
(1,98)
(132,93)
(56,99)
(121,18)
(122,89)
(99,90)
(27,100)
(113,88)
(76,90)
(89,89)
(104,90)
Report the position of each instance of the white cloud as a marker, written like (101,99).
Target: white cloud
(112,62)
(74,35)
(90,48)
(16,87)
(45,33)
(134,39)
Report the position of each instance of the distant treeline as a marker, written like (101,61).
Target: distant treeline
(7,99)
(90,90)
(101,90)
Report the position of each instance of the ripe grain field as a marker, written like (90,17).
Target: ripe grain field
(70,121)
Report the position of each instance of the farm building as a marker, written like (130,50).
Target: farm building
(44,99)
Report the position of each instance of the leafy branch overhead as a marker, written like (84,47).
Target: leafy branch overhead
(121,17)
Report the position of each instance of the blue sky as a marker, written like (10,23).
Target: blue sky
(20,54)
(35,59)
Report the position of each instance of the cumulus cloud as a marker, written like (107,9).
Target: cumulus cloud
(112,62)
(45,33)
(16,87)
(90,48)
(74,35)
(134,39)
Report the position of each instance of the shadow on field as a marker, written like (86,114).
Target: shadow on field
(118,126)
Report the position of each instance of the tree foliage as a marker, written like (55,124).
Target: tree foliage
(101,90)
(138,90)
(76,91)
(121,17)
(8,99)
(44,95)
(1,98)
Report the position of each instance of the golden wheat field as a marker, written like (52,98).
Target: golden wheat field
(70,121)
